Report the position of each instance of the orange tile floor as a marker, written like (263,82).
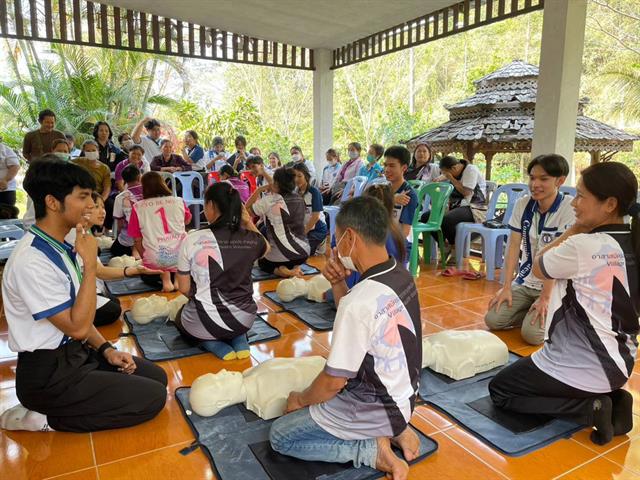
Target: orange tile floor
(150,451)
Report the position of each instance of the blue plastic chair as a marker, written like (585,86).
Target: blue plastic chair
(357,184)
(12,232)
(186,180)
(565,190)
(6,248)
(493,239)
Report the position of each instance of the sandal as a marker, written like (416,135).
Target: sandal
(452,272)
(472,275)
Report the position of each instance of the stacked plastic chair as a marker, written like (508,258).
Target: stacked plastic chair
(357,184)
(249,178)
(493,239)
(187,180)
(438,195)
(565,190)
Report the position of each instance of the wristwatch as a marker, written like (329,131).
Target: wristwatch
(104,346)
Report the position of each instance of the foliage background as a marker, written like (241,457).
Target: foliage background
(375,101)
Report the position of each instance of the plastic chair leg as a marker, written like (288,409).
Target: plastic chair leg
(443,260)
(426,247)
(413,256)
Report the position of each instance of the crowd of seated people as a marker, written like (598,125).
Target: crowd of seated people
(269,213)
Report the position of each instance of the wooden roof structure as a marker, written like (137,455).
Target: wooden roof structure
(498,118)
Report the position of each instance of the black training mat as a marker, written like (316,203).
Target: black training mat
(468,403)
(236,442)
(160,339)
(318,316)
(514,421)
(130,286)
(258,275)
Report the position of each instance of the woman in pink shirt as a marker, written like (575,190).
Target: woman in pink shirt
(228,174)
(157,225)
(349,170)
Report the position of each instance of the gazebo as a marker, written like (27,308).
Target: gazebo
(498,118)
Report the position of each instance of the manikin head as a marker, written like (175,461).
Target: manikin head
(211,392)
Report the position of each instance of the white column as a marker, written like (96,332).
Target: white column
(322,108)
(559,81)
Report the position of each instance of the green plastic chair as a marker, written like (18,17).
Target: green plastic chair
(417,184)
(439,194)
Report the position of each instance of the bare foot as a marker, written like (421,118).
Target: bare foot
(167,287)
(409,443)
(285,272)
(388,462)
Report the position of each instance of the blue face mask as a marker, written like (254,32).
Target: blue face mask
(63,156)
(371,158)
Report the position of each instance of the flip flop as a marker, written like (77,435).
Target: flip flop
(452,272)
(472,275)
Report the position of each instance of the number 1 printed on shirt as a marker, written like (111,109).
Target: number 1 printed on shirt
(163,217)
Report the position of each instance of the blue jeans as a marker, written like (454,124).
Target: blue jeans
(298,435)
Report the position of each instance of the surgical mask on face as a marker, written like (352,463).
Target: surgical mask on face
(63,156)
(353,155)
(128,144)
(346,260)
(296,157)
(371,158)
(92,155)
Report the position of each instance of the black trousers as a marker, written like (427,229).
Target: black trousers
(109,312)
(108,206)
(79,391)
(269,266)
(117,249)
(523,387)
(8,197)
(452,219)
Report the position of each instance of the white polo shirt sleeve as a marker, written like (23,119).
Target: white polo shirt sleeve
(184,258)
(41,275)
(351,337)
(515,222)
(470,177)
(264,204)
(564,261)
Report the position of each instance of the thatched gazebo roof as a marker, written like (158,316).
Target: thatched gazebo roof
(499,118)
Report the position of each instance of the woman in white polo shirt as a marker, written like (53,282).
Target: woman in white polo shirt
(592,321)
(214,271)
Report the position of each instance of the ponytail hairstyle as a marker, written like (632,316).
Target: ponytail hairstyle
(615,179)
(227,201)
(383,193)
(228,170)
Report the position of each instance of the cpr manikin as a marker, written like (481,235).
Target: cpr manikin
(175,305)
(146,309)
(317,287)
(291,288)
(124,261)
(463,354)
(104,242)
(264,388)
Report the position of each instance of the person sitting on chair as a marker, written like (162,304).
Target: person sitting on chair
(537,219)
(364,398)
(396,162)
(590,346)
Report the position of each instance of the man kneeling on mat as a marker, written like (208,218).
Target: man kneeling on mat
(537,219)
(363,400)
(591,343)
(68,377)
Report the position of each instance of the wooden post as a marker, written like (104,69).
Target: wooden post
(468,152)
(595,157)
(488,156)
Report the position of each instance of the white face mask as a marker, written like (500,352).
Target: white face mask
(92,155)
(63,156)
(128,144)
(346,260)
(296,157)
(353,155)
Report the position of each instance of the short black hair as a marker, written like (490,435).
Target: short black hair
(68,136)
(121,136)
(302,168)
(228,170)
(255,160)
(552,163)
(136,147)
(97,126)
(45,113)
(241,140)
(130,173)
(48,175)
(367,216)
(448,162)
(152,123)
(286,180)
(400,153)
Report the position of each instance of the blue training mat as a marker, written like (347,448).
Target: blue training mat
(129,286)
(464,400)
(105,255)
(233,438)
(318,316)
(258,275)
(160,339)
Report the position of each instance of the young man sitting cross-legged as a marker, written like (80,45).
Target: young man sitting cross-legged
(68,377)
(363,400)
